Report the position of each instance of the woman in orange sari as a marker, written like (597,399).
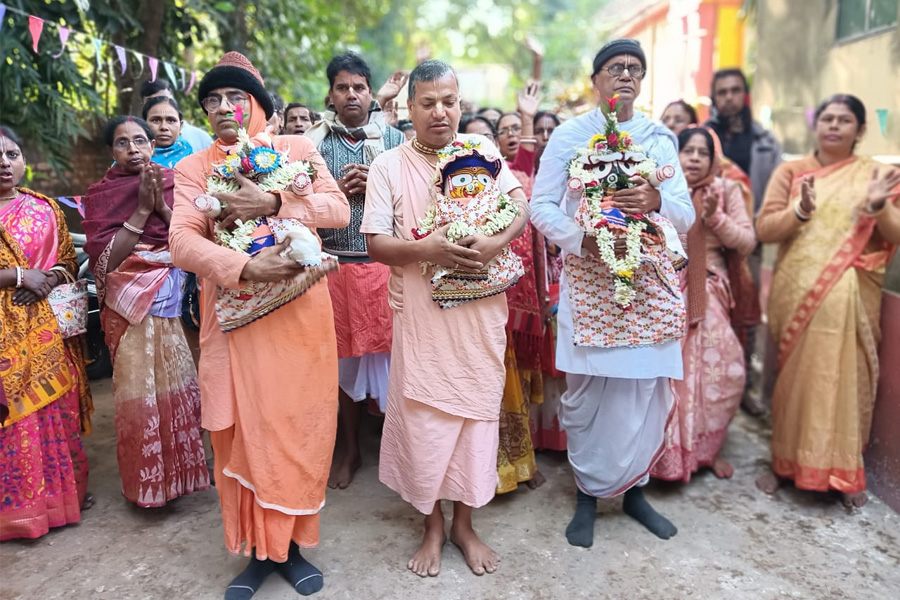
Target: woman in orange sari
(836,220)
(45,404)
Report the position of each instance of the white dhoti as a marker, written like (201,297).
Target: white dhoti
(366,376)
(615,430)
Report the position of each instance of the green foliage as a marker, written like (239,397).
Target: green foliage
(52,101)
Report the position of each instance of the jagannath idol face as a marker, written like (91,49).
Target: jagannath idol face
(468,182)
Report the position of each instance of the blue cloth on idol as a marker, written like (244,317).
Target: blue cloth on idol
(169,157)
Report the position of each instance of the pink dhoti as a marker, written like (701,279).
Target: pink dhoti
(429,455)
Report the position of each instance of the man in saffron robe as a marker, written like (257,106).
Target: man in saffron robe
(268,388)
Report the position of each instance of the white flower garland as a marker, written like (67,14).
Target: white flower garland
(622,268)
(240,237)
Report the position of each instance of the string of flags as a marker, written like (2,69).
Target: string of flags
(36,25)
(75,203)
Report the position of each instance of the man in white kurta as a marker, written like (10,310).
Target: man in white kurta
(618,399)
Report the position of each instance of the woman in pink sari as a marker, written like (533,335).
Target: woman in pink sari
(44,400)
(157,398)
(714,371)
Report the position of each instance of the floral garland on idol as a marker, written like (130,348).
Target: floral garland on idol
(272,170)
(257,160)
(467,198)
(598,171)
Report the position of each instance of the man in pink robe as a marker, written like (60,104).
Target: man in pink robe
(441,427)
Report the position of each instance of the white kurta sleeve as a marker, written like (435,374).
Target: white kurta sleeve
(547,209)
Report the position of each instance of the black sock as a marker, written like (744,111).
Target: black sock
(580,531)
(300,573)
(637,507)
(250,580)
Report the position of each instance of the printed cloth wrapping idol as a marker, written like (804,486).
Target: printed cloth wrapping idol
(467,198)
(633,300)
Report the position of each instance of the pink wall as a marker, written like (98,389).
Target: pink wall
(883,456)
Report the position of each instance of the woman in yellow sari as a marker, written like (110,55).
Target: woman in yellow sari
(836,218)
(45,404)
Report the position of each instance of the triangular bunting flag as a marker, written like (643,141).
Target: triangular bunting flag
(140,59)
(183,79)
(123,59)
(154,64)
(882,119)
(171,73)
(98,46)
(191,84)
(35,26)
(63,39)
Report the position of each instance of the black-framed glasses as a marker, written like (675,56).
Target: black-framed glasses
(214,101)
(516,129)
(636,71)
(139,142)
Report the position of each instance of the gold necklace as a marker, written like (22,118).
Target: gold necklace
(423,148)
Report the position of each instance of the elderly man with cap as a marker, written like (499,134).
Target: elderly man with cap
(618,399)
(269,388)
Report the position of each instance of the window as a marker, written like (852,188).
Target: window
(859,17)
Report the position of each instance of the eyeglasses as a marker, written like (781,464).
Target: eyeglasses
(636,71)
(124,143)
(214,101)
(516,129)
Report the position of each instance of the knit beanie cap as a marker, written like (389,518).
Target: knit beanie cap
(235,70)
(617,47)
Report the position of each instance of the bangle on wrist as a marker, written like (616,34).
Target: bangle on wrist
(529,140)
(132,228)
(20,277)
(801,214)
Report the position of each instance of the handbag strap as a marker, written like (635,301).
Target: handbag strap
(69,277)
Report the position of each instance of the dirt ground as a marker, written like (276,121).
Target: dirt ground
(733,542)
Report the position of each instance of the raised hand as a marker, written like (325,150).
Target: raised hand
(528,101)
(390,111)
(147,191)
(808,194)
(249,202)
(270,266)
(392,87)
(534,46)
(882,189)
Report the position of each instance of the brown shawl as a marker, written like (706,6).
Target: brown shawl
(111,201)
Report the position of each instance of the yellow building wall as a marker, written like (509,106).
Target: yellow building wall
(798,64)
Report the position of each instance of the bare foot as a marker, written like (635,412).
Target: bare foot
(857,500)
(426,562)
(722,468)
(768,482)
(536,481)
(89,501)
(343,471)
(479,557)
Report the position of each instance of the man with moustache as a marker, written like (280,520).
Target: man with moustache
(297,119)
(350,135)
